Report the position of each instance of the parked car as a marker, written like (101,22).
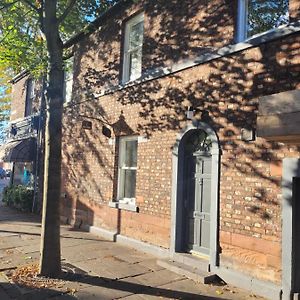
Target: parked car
(2,173)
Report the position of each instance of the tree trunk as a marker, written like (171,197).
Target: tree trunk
(50,263)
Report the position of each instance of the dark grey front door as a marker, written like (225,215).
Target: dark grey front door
(197,200)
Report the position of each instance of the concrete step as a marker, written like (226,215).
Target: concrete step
(193,273)
(192,261)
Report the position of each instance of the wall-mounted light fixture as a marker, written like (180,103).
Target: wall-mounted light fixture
(106,131)
(86,125)
(190,112)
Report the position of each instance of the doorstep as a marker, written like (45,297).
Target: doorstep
(193,267)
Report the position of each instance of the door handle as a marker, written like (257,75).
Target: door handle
(199,215)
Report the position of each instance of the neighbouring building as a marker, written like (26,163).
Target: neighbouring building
(22,144)
(23,149)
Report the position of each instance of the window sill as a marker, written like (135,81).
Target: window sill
(124,206)
(130,82)
(265,36)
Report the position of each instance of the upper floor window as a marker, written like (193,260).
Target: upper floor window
(30,95)
(133,44)
(127,169)
(257,16)
(68,83)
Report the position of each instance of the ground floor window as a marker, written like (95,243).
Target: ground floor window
(127,169)
(23,173)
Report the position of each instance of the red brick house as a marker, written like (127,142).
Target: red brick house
(182,136)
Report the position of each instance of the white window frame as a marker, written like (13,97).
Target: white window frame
(242,22)
(126,57)
(68,80)
(122,149)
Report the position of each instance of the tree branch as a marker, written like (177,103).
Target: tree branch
(41,17)
(67,11)
(6,5)
(31,5)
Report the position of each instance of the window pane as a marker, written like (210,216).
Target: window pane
(68,68)
(135,64)
(68,77)
(29,97)
(134,32)
(68,90)
(131,153)
(265,15)
(129,183)
(30,88)
(136,35)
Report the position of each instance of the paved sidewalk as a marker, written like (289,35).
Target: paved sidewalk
(97,268)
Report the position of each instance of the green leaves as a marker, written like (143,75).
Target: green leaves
(20,47)
(23,45)
(5,99)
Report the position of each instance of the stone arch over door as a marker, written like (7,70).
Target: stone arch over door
(178,187)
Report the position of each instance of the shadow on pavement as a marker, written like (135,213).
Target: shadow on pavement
(11,291)
(134,288)
(62,236)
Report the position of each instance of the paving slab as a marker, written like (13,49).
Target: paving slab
(159,278)
(16,259)
(151,264)
(77,255)
(15,241)
(35,247)
(84,252)
(71,242)
(131,257)
(101,292)
(187,287)
(108,270)
(114,268)
(66,231)
(93,267)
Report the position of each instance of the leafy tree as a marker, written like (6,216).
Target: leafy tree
(5,76)
(33,33)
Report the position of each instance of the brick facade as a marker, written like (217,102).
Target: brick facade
(226,90)
(18,99)
(19,94)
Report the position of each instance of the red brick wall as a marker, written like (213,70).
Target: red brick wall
(174,31)
(294,10)
(18,99)
(228,90)
(18,102)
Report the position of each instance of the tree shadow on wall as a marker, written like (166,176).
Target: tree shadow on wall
(226,89)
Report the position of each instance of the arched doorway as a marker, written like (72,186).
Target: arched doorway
(195,192)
